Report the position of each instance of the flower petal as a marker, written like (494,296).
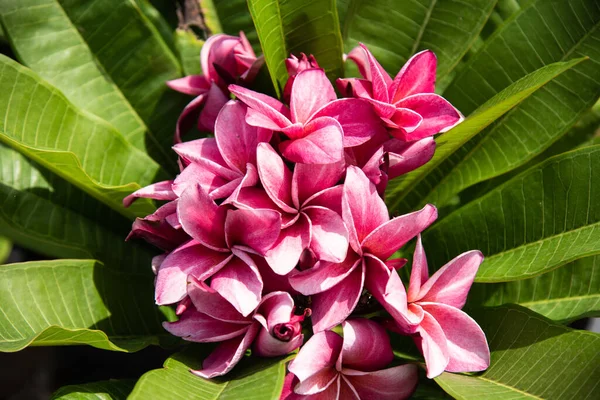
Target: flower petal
(197,327)
(227,355)
(394,383)
(208,301)
(450,284)
(366,345)
(275,177)
(189,259)
(389,237)
(329,236)
(405,119)
(467,346)
(215,100)
(240,284)
(194,85)
(157,191)
(379,78)
(188,117)
(257,229)
(419,272)
(271,109)
(323,143)
(406,157)
(416,76)
(265,345)
(324,275)
(319,353)
(333,306)
(310,179)
(311,90)
(283,256)
(434,345)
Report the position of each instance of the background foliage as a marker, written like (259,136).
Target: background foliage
(85,118)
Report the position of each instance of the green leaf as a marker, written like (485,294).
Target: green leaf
(531,358)
(544,33)
(230,17)
(252,379)
(38,121)
(103,390)
(405,192)
(5,249)
(106,57)
(537,221)
(568,293)
(395,30)
(42,212)
(188,47)
(287,26)
(68,302)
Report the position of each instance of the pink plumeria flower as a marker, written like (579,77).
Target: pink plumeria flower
(373,237)
(449,339)
(225,164)
(272,329)
(221,249)
(294,66)
(309,205)
(317,125)
(330,367)
(407,104)
(161,229)
(224,59)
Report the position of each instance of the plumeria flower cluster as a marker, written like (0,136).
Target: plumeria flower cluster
(276,227)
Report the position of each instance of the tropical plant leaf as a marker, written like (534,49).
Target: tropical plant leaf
(537,221)
(115,70)
(5,249)
(395,30)
(531,358)
(188,48)
(230,17)
(76,145)
(563,295)
(543,33)
(103,390)
(66,302)
(43,213)
(450,144)
(254,379)
(287,26)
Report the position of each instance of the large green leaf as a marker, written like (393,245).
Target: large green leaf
(450,144)
(5,249)
(44,213)
(563,295)
(104,390)
(537,221)
(287,26)
(188,48)
(394,30)
(106,57)
(546,32)
(230,17)
(39,122)
(67,302)
(531,358)
(252,379)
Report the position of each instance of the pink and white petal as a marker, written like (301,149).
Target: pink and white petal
(311,90)
(189,259)
(257,229)
(277,308)
(330,198)
(319,353)
(291,381)
(357,118)
(265,345)
(195,174)
(188,117)
(254,198)
(438,115)
(275,177)
(250,179)
(380,79)
(434,345)
(419,272)
(347,391)
(386,239)
(270,108)
(372,167)
(202,219)
(193,85)
(324,275)
(273,282)
(416,76)
(236,139)
(286,251)
(450,284)
(396,263)
(321,145)
(227,355)
(218,49)
(362,208)
(202,151)
(406,157)
(366,345)
(310,179)
(333,306)
(394,383)
(359,56)
(329,236)
(467,346)
(158,233)
(157,191)
(406,119)
(240,284)
(208,301)
(215,100)
(324,380)
(197,327)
